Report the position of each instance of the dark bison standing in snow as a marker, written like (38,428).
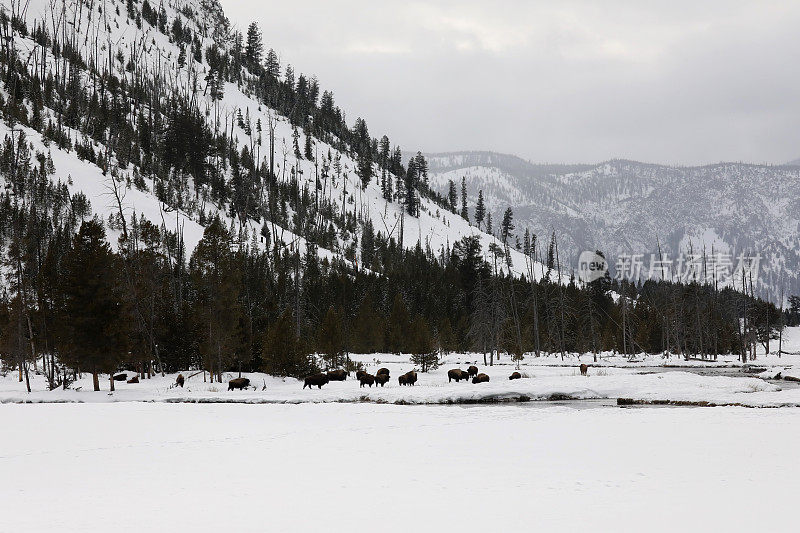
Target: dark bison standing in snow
(480,378)
(238,383)
(382,371)
(381,379)
(179,380)
(337,375)
(121,377)
(360,373)
(456,374)
(366,379)
(409,378)
(316,379)
(515,375)
(584,369)
(472,371)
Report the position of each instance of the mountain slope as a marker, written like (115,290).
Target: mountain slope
(626,207)
(148,49)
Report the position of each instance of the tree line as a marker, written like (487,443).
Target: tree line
(74,303)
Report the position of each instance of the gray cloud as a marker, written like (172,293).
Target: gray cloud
(561,81)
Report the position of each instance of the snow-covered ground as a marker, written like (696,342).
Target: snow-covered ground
(341,467)
(649,379)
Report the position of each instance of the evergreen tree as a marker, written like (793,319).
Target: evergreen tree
(308,147)
(397,327)
(255,47)
(423,353)
(367,244)
(480,211)
(365,168)
(367,333)
(288,77)
(507,226)
(218,311)
(384,152)
(551,255)
(284,352)
(464,210)
(331,338)
(452,196)
(410,185)
(273,64)
(421,166)
(95,324)
(446,337)
(296,143)
(793,313)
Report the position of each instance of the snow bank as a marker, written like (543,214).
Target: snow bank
(539,383)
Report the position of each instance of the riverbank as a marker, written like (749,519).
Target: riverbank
(538,383)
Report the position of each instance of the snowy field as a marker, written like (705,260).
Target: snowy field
(539,383)
(730,386)
(366,467)
(644,377)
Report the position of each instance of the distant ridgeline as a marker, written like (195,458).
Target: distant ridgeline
(175,199)
(626,207)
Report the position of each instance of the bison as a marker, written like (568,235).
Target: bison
(316,379)
(584,369)
(134,379)
(382,371)
(472,371)
(480,378)
(515,375)
(366,379)
(456,374)
(381,379)
(360,373)
(121,377)
(179,380)
(337,375)
(238,383)
(409,378)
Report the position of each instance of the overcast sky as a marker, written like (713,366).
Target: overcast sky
(556,81)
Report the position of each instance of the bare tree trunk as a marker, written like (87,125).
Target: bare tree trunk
(780,325)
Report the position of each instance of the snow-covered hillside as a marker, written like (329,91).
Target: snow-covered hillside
(106,33)
(626,207)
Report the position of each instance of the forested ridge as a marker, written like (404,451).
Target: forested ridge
(291,272)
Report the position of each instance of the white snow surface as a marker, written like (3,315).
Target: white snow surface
(648,378)
(336,467)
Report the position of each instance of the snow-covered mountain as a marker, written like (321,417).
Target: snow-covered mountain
(626,207)
(117,35)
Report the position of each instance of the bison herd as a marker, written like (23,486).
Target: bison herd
(381,377)
(472,372)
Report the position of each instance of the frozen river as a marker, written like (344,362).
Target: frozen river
(357,467)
